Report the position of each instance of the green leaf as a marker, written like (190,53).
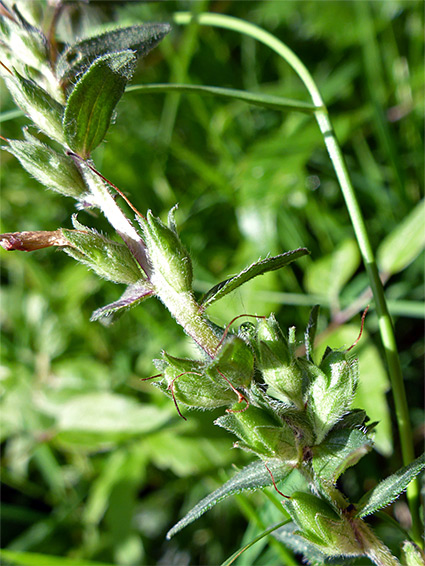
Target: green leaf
(132,296)
(339,451)
(328,275)
(25,42)
(123,466)
(43,109)
(404,243)
(389,489)
(250,478)
(258,268)
(10,115)
(101,419)
(111,260)
(263,100)
(53,170)
(35,559)
(140,38)
(90,105)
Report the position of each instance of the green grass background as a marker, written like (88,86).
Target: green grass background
(97,465)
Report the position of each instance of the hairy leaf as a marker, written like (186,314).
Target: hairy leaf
(390,488)
(90,105)
(38,105)
(132,296)
(140,38)
(54,170)
(258,268)
(339,451)
(250,478)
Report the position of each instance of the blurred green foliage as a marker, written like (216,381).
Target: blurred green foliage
(97,465)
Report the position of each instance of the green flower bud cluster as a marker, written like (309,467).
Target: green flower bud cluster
(278,364)
(279,405)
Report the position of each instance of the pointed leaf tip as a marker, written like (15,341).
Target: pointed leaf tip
(140,38)
(252,477)
(389,489)
(258,268)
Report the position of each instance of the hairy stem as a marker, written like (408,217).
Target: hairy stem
(338,162)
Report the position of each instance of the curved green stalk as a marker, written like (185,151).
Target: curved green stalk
(239,552)
(263,100)
(336,156)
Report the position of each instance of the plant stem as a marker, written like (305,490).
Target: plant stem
(263,100)
(357,220)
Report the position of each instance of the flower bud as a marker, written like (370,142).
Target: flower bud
(172,267)
(331,390)
(413,555)
(261,432)
(109,259)
(235,361)
(186,381)
(279,367)
(44,111)
(54,170)
(321,525)
(25,42)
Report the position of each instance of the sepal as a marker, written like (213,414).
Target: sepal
(235,361)
(278,365)
(172,267)
(52,169)
(132,296)
(107,258)
(38,105)
(331,390)
(26,43)
(321,525)
(186,381)
(413,555)
(261,433)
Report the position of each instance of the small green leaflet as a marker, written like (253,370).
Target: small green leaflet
(258,268)
(252,477)
(388,490)
(140,38)
(90,105)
